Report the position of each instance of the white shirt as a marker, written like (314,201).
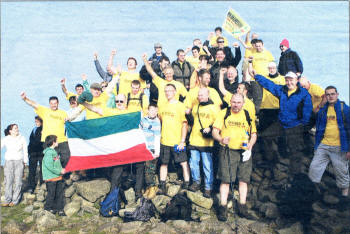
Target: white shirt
(16,148)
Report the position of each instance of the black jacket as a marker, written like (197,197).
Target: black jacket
(232,60)
(35,144)
(289,61)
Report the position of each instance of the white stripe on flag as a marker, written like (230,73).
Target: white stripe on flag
(106,144)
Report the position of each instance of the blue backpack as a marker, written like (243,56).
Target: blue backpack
(110,205)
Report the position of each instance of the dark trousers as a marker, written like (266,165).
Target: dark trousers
(34,158)
(295,147)
(63,151)
(55,195)
(117,172)
(256,93)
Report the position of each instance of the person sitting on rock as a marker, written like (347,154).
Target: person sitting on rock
(52,175)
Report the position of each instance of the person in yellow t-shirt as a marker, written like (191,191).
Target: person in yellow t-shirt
(173,136)
(203,64)
(194,59)
(126,77)
(136,100)
(53,124)
(261,58)
(204,114)
(218,33)
(198,42)
(241,89)
(160,83)
(237,137)
(192,97)
(249,45)
(332,143)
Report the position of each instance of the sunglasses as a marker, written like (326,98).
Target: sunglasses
(119,101)
(281,46)
(221,41)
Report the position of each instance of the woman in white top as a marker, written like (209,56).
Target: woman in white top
(16,157)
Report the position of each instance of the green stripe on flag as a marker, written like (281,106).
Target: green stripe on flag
(94,128)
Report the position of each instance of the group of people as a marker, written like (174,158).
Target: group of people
(194,109)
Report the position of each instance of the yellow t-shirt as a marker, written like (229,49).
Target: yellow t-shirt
(135,104)
(248,51)
(248,104)
(202,52)
(192,96)
(290,92)
(316,93)
(237,128)
(107,111)
(160,84)
(207,115)
(172,116)
(213,41)
(331,134)
(269,101)
(100,102)
(70,94)
(125,80)
(261,61)
(53,123)
(193,61)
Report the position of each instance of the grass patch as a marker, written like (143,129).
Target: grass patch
(15,213)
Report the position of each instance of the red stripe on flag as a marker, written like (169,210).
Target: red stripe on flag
(137,153)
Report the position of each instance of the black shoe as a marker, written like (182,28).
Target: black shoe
(31,191)
(162,188)
(194,187)
(222,213)
(61,213)
(207,193)
(185,185)
(243,212)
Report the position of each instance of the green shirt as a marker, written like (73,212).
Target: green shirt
(51,166)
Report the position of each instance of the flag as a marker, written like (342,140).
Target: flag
(106,142)
(234,24)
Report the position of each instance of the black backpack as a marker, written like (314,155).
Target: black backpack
(179,207)
(247,116)
(144,212)
(139,99)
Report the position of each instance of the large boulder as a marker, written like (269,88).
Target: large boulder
(93,190)
(173,189)
(12,227)
(130,195)
(199,200)
(296,228)
(69,191)
(72,208)
(45,222)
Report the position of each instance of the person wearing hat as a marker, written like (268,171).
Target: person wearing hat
(158,48)
(295,111)
(289,60)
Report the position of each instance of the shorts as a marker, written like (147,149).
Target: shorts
(166,152)
(238,168)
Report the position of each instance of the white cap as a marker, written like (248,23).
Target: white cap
(291,75)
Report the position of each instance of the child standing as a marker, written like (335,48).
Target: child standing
(52,175)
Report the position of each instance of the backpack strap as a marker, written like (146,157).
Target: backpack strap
(139,99)
(228,112)
(249,120)
(127,100)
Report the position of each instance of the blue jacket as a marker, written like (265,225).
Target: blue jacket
(295,109)
(344,131)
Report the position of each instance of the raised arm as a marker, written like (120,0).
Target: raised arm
(238,54)
(221,81)
(63,87)
(269,85)
(86,84)
(99,69)
(110,66)
(93,108)
(148,66)
(28,101)
(112,84)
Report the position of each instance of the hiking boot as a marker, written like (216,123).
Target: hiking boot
(61,213)
(207,193)
(162,188)
(5,204)
(243,212)
(185,185)
(11,204)
(222,213)
(194,187)
(152,192)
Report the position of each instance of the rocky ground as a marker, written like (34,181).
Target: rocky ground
(83,198)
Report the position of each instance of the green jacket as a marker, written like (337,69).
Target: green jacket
(51,166)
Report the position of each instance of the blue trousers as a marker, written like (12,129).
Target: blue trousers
(207,168)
